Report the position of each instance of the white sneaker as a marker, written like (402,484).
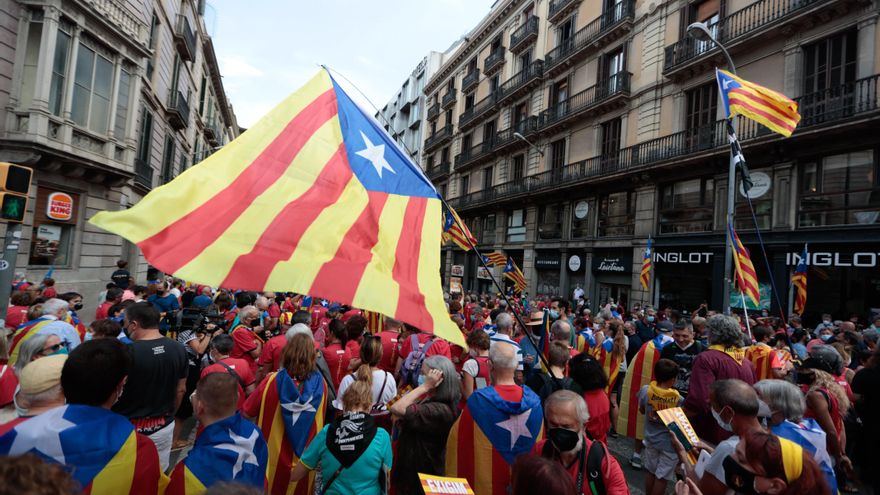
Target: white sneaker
(636,460)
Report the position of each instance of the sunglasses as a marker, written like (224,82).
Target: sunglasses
(53,348)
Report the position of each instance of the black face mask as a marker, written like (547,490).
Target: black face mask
(804,378)
(738,478)
(77,306)
(563,439)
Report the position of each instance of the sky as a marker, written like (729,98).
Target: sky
(269,48)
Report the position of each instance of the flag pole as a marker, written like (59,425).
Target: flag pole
(746,312)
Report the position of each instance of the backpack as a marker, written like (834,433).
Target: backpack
(412,366)
(482,379)
(552,384)
(593,471)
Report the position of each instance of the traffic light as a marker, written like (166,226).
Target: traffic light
(15,181)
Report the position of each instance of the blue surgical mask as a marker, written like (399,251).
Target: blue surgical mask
(825,337)
(421,380)
(724,426)
(88,337)
(554,314)
(650,319)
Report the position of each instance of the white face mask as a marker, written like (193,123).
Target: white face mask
(724,426)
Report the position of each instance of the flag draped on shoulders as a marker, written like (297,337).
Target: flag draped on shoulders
(316,199)
(488,436)
(772,109)
(23,333)
(229,450)
(604,354)
(640,372)
(291,415)
(764,358)
(75,322)
(100,448)
(456,231)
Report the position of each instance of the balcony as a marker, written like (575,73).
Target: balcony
(471,116)
(591,101)
(855,102)
(748,24)
(470,80)
(438,171)
(505,139)
(493,62)
(524,35)
(143,173)
(448,99)
(185,39)
(561,8)
(521,82)
(474,155)
(606,28)
(177,110)
(443,135)
(433,111)
(212,132)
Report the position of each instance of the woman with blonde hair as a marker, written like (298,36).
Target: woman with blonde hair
(354,454)
(383,383)
(290,405)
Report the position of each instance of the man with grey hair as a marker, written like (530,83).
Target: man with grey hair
(566,414)
(723,360)
(246,336)
(39,389)
(52,323)
(220,350)
(503,333)
(506,417)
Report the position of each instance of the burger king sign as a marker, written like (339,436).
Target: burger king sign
(59,206)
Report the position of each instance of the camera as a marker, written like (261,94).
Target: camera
(200,320)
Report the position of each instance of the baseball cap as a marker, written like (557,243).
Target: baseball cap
(665,326)
(42,374)
(334,307)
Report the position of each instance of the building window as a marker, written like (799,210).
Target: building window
(614,66)
(487,178)
(444,156)
(465,184)
(55,220)
(610,141)
(31,57)
(829,67)
(449,117)
(517,167)
(168,160)
(557,154)
(520,113)
(550,222)
(580,219)
(525,59)
(687,206)
(145,140)
(494,82)
(93,85)
(60,63)
(469,100)
(617,214)
(702,108)
(708,12)
(488,234)
(122,101)
(841,190)
(442,190)
(489,132)
(516,226)
(565,31)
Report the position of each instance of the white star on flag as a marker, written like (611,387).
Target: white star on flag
(243,448)
(42,434)
(516,425)
(376,155)
(297,408)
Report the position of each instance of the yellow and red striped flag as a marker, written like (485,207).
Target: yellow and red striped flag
(495,258)
(774,110)
(316,199)
(799,281)
(457,231)
(645,275)
(513,272)
(746,277)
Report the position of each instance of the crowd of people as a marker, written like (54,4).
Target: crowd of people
(292,394)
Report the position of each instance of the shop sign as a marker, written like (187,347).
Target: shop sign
(581,208)
(59,206)
(611,265)
(761,183)
(483,273)
(678,257)
(543,263)
(457,270)
(574,263)
(865,259)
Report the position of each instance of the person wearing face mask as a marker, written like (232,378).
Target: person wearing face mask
(683,352)
(587,462)
(39,389)
(647,326)
(424,417)
(75,304)
(246,335)
(92,442)
(825,323)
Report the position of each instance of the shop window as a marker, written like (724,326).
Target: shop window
(840,190)
(762,201)
(550,224)
(55,221)
(579,219)
(488,232)
(687,206)
(617,214)
(516,226)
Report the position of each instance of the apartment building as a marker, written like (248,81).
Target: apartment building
(568,132)
(105,99)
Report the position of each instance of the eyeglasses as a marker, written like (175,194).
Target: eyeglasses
(53,348)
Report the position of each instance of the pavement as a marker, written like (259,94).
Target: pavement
(622,448)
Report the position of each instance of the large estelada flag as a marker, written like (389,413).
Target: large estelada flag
(375,322)
(746,277)
(765,358)
(772,109)
(100,448)
(604,354)
(457,231)
(512,271)
(799,282)
(315,198)
(495,258)
(290,417)
(488,436)
(639,373)
(23,333)
(232,449)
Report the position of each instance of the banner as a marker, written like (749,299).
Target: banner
(438,485)
(736,300)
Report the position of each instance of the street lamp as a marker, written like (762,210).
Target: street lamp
(700,32)
(523,139)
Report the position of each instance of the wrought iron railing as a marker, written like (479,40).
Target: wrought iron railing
(434,111)
(589,34)
(557,7)
(449,98)
(473,113)
(444,133)
(530,73)
(470,80)
(186,36)
(525,33)
(616,84)
(494,60)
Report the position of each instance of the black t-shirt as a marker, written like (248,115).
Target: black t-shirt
(866,383)
(685,361)
(421,447)
(151,389)
(120,278)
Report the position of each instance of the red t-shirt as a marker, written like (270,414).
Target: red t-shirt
(103,309)
(289,306)
(600,420)
(354,348)
(439,347)
(251,406)
(612,475)
(271,353)
(50,292)
(15,316)
(241,368)
(8,383)
(351,313)
(318,313)
(389,350)
(338,360)
(273,310)
(244,341)
(510,393)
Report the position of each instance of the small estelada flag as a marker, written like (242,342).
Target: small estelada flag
(438,485)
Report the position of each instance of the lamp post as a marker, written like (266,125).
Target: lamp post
(699,31)
(531,145)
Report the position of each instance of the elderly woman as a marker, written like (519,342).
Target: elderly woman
(786,403)
(424,417)
(31,349)
(724,359)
